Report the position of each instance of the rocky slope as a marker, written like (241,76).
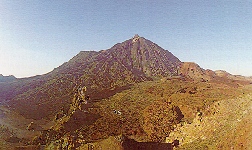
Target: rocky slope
(224,125)
(194,72)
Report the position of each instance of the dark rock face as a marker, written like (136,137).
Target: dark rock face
(80,119)
(129,144)
(103,73)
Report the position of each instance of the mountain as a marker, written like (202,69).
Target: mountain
(134,60)
(138,92)
(104,73)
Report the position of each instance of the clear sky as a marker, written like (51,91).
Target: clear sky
(39,35)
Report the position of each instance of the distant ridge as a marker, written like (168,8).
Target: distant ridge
(7,78)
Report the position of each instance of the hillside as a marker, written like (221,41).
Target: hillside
(224,125)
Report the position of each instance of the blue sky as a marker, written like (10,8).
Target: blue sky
(37,36)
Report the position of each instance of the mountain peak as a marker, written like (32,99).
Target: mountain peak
(135,38)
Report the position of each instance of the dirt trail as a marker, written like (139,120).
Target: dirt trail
(227,125)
